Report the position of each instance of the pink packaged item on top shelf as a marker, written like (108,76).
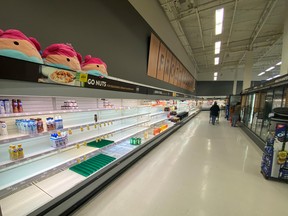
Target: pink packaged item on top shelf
(94,66)
(15,44)
(62,56)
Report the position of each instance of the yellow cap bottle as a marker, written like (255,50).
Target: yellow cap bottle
(14,153)
(10,152)
(20,151)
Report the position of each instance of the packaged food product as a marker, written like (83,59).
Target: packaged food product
(7,106)
(19,105)
(40,127)
(14,153)
(3,128)
(14,106)
(2,107)
(50,124)
(20,151)
(10,150)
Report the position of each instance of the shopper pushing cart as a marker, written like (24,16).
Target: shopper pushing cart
(214,113)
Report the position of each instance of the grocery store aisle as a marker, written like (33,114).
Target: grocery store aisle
(201,170)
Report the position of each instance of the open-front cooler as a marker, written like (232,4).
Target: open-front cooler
(65,143)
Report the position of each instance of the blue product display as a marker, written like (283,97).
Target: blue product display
(271,165)
(283,173)
(269,150)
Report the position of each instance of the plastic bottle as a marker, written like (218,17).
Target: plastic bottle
(19,105)
(2,107)
(3,129)
(7,106)
(20,151)
(56,122)
(61,126)
(34,126)
(52,123)
(40,127)
(10,150)
(24,127)
(14,153)
(14,106)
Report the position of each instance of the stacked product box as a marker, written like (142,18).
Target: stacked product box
(59,139)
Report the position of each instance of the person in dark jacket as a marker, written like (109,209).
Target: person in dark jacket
(214,112)
(236,114)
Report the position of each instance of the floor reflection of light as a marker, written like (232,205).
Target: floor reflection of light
(209,145)
(245,158)
(204,184)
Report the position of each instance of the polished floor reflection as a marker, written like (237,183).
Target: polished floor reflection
(201,170)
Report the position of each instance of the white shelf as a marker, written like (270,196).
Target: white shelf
(158,113)
(107,132)
(18,136)
(79,139)
(21,173)
(33,168)
(100,122)
(157,121)
(123,136)
(23,114)
(12,115)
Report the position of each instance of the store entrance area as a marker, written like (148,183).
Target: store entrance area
(201,170)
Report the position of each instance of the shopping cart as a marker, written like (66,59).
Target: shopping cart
(216,121)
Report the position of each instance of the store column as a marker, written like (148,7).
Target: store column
(235,81)
(284,58)
(248,70)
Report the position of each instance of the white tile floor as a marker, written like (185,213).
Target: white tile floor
(201,170)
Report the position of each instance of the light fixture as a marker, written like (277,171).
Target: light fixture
(216,60)
(215,73)
(276,76)
(271,68)
(217,47)
(260,74)
(269,78)
(215,78)
(279,63)
(219,14)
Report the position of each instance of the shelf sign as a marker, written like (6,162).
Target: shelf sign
(159,92)
(114,85)
(83,77)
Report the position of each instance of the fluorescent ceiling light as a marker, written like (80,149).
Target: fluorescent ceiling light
(218,29)
(271,68)
(279,63)
(269,78)
(216,74)
(215,78)
(217,47)
(216,60)
(219,14)
(260,74)
(276,76)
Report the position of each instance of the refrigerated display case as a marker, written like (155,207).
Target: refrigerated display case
(258,102)
(265,120)
(274,164)
(76,140)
